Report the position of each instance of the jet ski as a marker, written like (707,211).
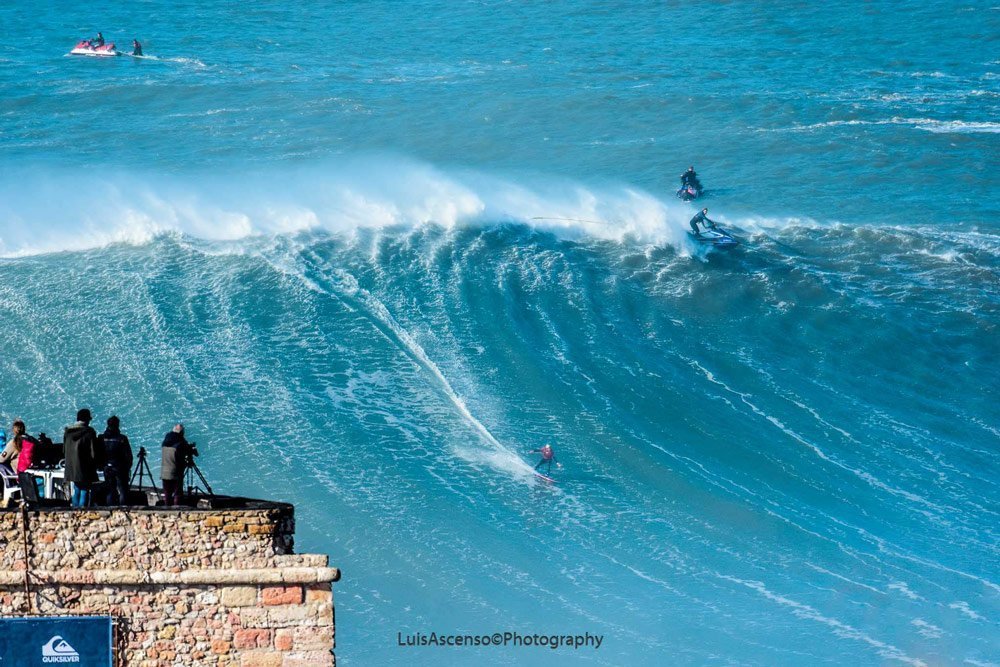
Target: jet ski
(688,192)
(86,48)
(715,236)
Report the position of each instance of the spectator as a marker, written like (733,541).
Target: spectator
(176,452)
(83,457)
(8,457)
(117,455)
(26,445)
(48,453)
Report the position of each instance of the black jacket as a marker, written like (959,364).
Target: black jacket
(175,452)
(83,456)
(117,450)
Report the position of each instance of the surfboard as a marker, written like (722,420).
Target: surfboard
(544,478)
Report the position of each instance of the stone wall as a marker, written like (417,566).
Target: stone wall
(186,586)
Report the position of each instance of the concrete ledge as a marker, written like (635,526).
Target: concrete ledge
(201,504)
(291,575)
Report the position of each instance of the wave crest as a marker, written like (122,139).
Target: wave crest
(46,211)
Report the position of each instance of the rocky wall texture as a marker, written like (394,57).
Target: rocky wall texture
(186,587)
(149,538)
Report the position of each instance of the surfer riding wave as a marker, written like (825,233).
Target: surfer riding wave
(548,458)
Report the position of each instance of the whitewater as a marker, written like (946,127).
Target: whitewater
(372,255)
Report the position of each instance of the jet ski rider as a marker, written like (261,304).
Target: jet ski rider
(702,217)
(97,41)
(690,179)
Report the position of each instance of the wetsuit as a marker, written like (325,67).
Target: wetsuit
(700,217)
(690,179)
(548,458)
(136,48)
(97,41)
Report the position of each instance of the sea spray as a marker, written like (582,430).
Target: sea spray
(63,210)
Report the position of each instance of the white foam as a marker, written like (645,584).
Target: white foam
(926,124)
(902,588)
(958,126)
(868,477)
(42,212)
(843,578)
(927,630)
(838,627)
(964,607)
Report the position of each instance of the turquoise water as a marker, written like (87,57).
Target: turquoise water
(310,233)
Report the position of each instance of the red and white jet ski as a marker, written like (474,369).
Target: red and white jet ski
(86,48)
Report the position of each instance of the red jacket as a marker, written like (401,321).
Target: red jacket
(27,458)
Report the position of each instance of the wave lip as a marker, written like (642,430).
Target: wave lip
(44,212)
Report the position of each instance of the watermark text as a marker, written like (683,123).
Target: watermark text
(553,641)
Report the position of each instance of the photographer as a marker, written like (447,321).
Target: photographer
(117,461)
(176,453)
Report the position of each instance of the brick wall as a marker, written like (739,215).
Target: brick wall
(187,587)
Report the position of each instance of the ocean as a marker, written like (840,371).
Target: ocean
(374,253)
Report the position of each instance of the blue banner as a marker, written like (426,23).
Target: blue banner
(48,641)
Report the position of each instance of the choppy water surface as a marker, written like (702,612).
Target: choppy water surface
(372,254)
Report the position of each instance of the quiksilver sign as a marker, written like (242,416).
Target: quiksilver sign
(80,641)
(58,649)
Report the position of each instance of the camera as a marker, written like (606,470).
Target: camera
(190,454)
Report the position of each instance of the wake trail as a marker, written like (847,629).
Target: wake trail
(347,289)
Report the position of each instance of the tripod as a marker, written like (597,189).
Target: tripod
(142,469)
(190,470)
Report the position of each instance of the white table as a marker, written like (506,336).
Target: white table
(49,477)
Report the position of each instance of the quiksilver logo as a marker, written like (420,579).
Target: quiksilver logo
(58,650)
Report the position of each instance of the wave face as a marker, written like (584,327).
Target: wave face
(782,454)
(375,252)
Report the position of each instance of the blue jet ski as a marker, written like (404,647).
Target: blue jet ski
(715,236)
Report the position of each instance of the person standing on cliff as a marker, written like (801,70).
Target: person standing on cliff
(176,452)
(8,457)
(83,458)
(26,446)
(118,461)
